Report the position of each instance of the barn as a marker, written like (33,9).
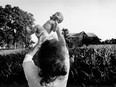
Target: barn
(82,38)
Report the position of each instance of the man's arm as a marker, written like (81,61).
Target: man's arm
(60,36)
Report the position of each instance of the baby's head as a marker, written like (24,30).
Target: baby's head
(58,17)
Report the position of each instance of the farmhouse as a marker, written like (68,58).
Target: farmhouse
(82,38)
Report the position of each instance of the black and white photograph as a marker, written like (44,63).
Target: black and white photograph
(57,43)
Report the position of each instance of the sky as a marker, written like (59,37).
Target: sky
(91,16)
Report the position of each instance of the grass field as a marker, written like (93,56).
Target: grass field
(8,52)
(111,46)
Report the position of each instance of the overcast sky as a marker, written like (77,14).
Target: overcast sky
(96,16)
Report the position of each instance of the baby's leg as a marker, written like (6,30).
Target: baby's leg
(41,34)
(38,29)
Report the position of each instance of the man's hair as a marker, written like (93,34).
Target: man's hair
(50,60)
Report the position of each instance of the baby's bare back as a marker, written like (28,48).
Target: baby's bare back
(48,26)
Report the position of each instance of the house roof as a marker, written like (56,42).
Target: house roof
(82,34)
(91,35)
(77,34)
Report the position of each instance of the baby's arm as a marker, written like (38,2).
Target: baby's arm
(55,26)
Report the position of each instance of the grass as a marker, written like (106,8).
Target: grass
(110,46)
(12,51)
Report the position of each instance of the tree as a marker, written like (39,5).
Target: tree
(65,32)
(13,22)
(109,41)
(93,40)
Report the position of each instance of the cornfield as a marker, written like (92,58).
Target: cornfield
(90,66)
(11,66)
(93,65)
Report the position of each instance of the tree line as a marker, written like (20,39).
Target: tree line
(85,40)
(109,41)
(14,22)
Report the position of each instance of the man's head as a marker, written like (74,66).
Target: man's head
(50,60)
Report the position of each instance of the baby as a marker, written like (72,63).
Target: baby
(50,25)
(42,32)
